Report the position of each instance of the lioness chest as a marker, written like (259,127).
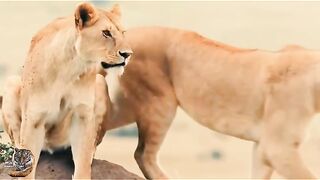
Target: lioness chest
(60,108)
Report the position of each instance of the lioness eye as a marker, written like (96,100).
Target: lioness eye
(106,33)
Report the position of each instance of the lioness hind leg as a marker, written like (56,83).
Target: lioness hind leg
(260,167)
(287,162)
(153,127)
(11,113)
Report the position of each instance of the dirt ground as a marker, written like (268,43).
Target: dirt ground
(190,150)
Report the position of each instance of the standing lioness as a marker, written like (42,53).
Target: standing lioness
(265,97)
(54,104)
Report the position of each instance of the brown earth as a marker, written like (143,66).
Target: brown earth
(60,166)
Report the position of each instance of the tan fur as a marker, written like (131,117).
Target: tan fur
(54,104)
(261,96)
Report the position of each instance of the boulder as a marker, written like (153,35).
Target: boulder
(59,165)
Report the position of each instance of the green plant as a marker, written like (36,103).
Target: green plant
(6,152)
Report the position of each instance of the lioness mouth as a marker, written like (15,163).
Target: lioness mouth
(107,65)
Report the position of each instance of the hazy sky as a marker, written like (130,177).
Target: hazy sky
(265,25)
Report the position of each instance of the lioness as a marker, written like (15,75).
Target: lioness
(54,104)
(261,96)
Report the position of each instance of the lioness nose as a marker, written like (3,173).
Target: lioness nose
(125,54)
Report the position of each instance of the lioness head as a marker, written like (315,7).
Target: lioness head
(100,36)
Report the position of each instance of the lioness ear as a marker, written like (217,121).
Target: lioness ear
(85,15)
(116,10)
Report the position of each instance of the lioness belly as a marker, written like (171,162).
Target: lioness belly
(234,125)
(239,117)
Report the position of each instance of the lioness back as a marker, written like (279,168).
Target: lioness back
(199,73)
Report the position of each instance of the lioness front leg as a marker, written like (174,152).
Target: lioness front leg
(11,113)
(153,125)
(88,122)
(102,107)
(32,136)
(82,139)
(260,167)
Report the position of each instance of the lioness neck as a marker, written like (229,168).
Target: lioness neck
(52,55)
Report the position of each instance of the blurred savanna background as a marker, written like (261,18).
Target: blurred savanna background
(190,150)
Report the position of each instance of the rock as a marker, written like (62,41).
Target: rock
(216,154)
(60,166)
